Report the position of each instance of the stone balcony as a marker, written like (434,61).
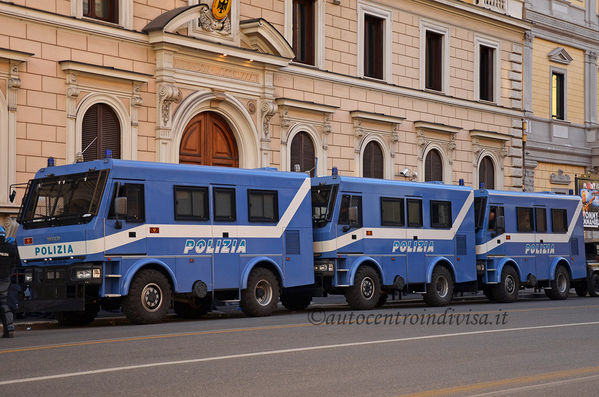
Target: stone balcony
(512,8)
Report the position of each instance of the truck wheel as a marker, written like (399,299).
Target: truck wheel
(149,298)
(261,296)
(581,288)
(366,291)
(77,318)
(193,310)
(594,285)
(440,291)
(296,301)
(560,287)
(507,289)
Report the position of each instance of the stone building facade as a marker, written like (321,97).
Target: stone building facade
(411,89)
(560,101)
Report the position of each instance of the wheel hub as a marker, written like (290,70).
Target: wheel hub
(367,287)
(263,293)
(510,284)
(442,287)
(151,297)
(561,282)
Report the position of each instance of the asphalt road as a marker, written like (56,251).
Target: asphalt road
(534,347)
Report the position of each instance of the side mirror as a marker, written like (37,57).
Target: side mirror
(500,224)
(120,206)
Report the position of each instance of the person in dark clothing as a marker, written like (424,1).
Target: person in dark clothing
(8,259)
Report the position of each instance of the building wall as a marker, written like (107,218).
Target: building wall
(544,171)
(542,80)
(72,63)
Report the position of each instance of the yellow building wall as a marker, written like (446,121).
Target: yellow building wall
(541,84)
(543,176)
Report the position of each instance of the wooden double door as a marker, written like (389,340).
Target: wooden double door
(208,140)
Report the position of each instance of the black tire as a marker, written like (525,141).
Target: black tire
(296,301)
(382,300)
(440,291)
(581,288)
(560,286)
(594,285)
(366,291)
(507,289)
(190,310)
(261,296)
(149,299)
(77,318)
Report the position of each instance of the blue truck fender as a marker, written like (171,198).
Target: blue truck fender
(255,261)
(556,261)
(358,262)
(434,262)
(138,265)
(501,264)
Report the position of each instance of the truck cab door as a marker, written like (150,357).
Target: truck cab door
(350,238)
(225,246)
(123,236)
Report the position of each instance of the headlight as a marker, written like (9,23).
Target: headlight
(83,274)
(96,272)
(28,277)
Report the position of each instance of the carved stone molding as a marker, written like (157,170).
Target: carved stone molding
(560,178)
(167,95)
(208,23)
(447,143)
(268,109)
(389,132)
(287,121)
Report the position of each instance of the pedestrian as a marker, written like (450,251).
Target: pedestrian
(8,259)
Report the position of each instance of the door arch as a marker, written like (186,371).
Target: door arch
(208,140)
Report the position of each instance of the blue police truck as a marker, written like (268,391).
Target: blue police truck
(146,236)
(529,240)
(373,237)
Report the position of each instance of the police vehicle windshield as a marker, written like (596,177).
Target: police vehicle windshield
(323,201)
(63,200)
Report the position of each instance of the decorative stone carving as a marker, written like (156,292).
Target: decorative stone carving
(136,100)
(268,109)
(207,23)
(168,94)
(424,141)
(560,178)
(284,116)
(251,107)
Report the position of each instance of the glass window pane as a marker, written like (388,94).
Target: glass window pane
(524,215)
(392,212)
(414,213)
(224,204)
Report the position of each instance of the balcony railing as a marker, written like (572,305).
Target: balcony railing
(494,5)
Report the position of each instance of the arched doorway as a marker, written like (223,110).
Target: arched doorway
(372,166)
(486,173)
(208,140)
(302,153)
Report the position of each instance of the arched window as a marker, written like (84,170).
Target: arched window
(486,173)
(101,130)
(433,166)
(302,152)
(373,161)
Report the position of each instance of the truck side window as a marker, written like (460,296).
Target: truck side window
(524,216)
(541,220)
(263,206)
(224,204)
(392,212)
(441,214)
(559,220)
(494,212)
(414,212)
(191,203)
(136,211)
(347,202)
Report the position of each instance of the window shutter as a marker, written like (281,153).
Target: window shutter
(486,173)
(373,161)
(433,167)
(302,152)
(89,132)
(102,124)
(110,130)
